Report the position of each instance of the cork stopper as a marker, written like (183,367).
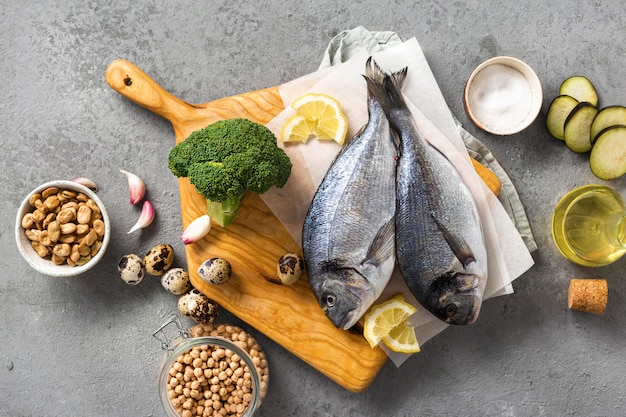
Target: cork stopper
(588,295)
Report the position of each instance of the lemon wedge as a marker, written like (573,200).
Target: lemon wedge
(317,115)
(387,322)
(297,129)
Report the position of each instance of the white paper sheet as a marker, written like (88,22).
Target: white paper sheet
(508,255)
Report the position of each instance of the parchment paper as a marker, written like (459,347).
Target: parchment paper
(507,252)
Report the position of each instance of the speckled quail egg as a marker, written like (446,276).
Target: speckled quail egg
(159,259)
(131,269)
(176,281)
(290,267)
(183,302)
(198,306)
(215,271)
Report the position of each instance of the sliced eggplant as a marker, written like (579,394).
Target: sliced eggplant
(577,127)
(559,109)
(580,88)
(608,156)
(607,117)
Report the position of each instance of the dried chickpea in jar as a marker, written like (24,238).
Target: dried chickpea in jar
(211,381)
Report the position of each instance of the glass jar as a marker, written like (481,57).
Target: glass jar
(589,225)
(208,369)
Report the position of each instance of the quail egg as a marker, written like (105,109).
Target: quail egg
(199,307)
(176,281)
(289,268)
(131,269)
(159,259)
(215,271)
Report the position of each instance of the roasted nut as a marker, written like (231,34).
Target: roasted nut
(95,248)
(74,255)
(39,205)
(32,235)
(82,229)
(41,250)
(83,260)
(71,238)
(70,204)
(49,191)
(54,231)
(57,260)
(98,226)
(39,216)
(28,221)
(66,194)
(83,216)
(93,206)
(62,250)
(83,248)
(64,225)
(52,202)
(66,215)
(50,217)
(67,228)
(44,239)
(90,238)
(33,198)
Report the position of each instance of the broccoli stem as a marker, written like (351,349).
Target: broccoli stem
(224,212)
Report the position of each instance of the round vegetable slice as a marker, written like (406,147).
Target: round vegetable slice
(577,127)
(559,109)
(580,88)
(607,117)
(608,156)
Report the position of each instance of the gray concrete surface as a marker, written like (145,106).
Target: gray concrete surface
(83,347)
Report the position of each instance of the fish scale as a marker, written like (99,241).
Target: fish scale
(348,233)
(440,247)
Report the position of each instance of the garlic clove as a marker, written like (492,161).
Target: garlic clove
(136,187)
(196,230)
(145,218)
(86,182)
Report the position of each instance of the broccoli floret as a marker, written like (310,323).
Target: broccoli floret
(228,158)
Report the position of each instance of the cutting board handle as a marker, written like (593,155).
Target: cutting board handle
(134,84)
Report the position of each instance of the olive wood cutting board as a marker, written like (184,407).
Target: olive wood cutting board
(289,315)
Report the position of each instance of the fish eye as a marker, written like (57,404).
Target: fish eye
(451,309)
(330,300)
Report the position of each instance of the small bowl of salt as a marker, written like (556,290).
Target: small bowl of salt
(503,95)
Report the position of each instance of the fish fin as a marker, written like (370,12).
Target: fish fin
(383,245)
(392,86)
(459,247)
(399,77)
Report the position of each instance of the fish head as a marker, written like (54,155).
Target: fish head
(456,298)
(344,295)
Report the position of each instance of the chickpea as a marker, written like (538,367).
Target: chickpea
(213,381)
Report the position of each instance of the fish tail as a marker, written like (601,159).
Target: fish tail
(392,85)
(386,89)
(378,93)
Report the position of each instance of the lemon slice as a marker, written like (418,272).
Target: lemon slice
(317,115)
(402,339)
(297,129)
(386,322)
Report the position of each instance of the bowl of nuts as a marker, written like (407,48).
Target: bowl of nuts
(62,228)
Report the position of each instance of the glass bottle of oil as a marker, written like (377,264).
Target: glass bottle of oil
(589,225)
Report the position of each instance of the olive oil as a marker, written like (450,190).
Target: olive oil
(589,225)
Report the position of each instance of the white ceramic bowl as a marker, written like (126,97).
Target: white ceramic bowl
(503,95)
(46,266)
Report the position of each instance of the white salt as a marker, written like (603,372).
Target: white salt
(500,98)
